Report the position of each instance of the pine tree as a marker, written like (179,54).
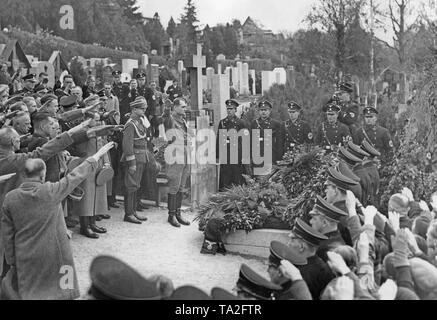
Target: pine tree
(130,11)
(189,19)
(171,28)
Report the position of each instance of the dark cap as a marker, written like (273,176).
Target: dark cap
(346,87)
(346,171)
(68,101)
(255,285)
(369,111)
(222,294)
(140,75)
(116,73)
(331,107)
(370,149)
(357,151)
(139,103)
(279,251)
(265,104)
(189,293)
(348,157)
(48,97)
(340,181)
(30,77)
(117,280)
(104,175)
(14,99)
(294,106)
(307,233)
(231,103)
(328,210)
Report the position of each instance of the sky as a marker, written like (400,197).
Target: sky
(276,15)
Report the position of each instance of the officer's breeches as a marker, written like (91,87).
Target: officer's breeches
(177,175)
(132,181)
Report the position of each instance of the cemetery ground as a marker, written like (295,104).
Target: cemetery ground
(155,247)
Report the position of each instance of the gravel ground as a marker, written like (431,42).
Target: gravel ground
(155,247)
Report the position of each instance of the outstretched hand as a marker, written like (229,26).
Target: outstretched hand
(103,150)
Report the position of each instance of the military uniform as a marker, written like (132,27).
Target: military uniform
(371,166)
(296,132)
(25,91)
(254,285)
(349,116)
(330,135)
(344,169)
(231,171)
(316,272)
(278,136)
(134,155)
(377,136)
(121,91)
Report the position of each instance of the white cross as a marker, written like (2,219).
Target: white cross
(199,62)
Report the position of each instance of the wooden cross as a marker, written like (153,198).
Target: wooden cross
(199,62)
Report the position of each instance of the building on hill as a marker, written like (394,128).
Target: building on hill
(251,31)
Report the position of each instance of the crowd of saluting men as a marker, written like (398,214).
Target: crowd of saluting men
(63,149)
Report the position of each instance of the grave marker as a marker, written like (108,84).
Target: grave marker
(195,69)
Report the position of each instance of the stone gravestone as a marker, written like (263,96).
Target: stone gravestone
(281,75)
(144,60)
(153,72)
(204,82)
(195,68)
(267,80)
(209,74)
(220,93)
(184,79)
(235,79)
(291,77)
(244,88)
(253,75)
(180,69)
(228,71)
(240,76)
(128,66)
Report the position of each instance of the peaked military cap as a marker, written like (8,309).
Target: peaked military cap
(307,233)
(265,104)
(48,97)
(222,294)
(370,149)
(347,172)
(279,251)
(340,181)
(346,86)
(369,111)
(139,102)
(255,285)
(30,77)
(328,210)
(294,106)
(140,75)
(14,99)
(348,157)
(357,151)
(116,73)
(68,101)
(189,293)
(331,107)
(231,103)
(113,279)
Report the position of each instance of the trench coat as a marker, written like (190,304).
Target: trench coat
(94,201)
(11,162)
(35,236)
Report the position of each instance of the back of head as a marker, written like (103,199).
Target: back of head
(399,203)
(6,135)
(424,276)
(349,256)
(19,106)
(34,168)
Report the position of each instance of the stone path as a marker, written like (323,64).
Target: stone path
(155,247)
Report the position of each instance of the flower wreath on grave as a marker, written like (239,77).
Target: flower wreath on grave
(266,203)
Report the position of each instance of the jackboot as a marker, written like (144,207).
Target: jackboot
(129,209)
(138,216)
(85,228)
(179,217)
(95,227)
(171,204)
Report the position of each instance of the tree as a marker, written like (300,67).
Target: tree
(189,20)
(171,27)
(130,12)
(154,33)
(336,17)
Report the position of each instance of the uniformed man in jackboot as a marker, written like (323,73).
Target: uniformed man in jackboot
(377,136)
(332,133)
(134,157)
(349,109)
(263,123)
(177,172)
(297,131)
(121,91)
(231,171)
